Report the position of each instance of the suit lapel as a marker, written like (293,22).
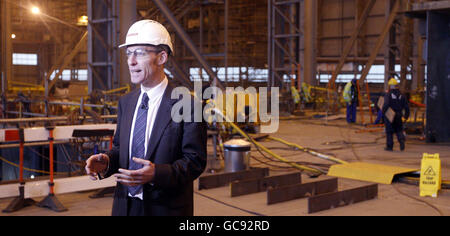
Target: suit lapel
(163,118)
(127,122)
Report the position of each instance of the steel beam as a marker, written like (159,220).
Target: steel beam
(438,78)
(67,60)
(243,187)
(127,16)
(284,42)
(223,179)
(6,44)
(406,49)
(390,46)
(296,191)
(103,34)
(342,198)
(380,41)
(429,6)
(180,75)
(188,42)
(351,42)
(418,77)
(309,57)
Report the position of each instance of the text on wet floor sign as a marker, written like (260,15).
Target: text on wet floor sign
(430,175)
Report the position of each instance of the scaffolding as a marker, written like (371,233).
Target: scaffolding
(103,60)
(285,35)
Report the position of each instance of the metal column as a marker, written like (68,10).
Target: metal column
(103,57)
(390,47)
(6,45)
(418,77)
(310,64)
(438,78)
(285,35)
(406,50)
(434,22)
(227,6)
(127,16)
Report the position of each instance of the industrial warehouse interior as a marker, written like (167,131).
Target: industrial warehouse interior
(301,101)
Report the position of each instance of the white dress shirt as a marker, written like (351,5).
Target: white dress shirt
(155,96)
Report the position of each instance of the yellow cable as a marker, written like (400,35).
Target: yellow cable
(315,171)
(322,156)
(240,131)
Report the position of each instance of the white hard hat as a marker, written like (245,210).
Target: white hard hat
(148,32)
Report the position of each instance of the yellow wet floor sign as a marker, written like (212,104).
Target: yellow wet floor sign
(430,175)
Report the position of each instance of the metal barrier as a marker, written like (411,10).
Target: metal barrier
(51,134)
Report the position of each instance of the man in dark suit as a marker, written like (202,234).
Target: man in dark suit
(154,159)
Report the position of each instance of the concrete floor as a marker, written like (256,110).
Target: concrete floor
(333,137)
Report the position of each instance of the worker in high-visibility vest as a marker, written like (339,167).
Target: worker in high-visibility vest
(399,104)
(295,95)
(306,92)
(351,99)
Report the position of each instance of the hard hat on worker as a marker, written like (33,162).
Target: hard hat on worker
(148,32)
(393,82)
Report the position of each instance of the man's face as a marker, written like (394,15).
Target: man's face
(142,62)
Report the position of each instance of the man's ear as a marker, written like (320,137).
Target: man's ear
(163,58)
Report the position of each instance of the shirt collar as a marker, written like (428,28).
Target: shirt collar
(155,92)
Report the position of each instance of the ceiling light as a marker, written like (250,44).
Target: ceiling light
(82,21)
(35,10)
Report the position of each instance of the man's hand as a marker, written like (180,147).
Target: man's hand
(137,177)
(96,164)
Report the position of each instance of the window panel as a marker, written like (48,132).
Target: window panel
(26,59)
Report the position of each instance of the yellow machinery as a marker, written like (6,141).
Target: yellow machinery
(15,86)
(126,89)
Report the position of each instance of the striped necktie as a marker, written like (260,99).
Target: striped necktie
(138,146)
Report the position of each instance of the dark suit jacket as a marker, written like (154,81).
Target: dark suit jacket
(178,151)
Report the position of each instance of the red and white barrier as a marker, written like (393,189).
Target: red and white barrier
(72,184)
(42,134)
(62,185)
